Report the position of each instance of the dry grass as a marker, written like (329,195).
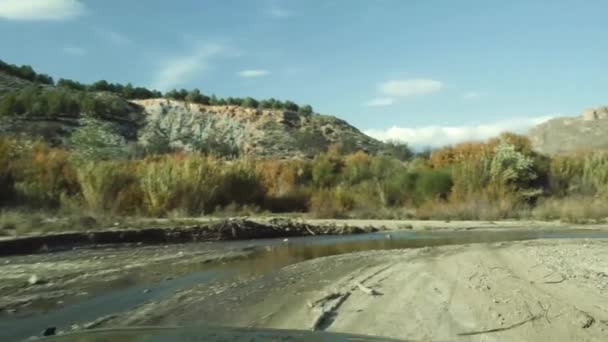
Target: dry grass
(472,209)
(572,209)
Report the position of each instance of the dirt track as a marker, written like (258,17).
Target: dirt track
(547,290)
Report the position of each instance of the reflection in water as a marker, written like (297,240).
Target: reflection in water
(275,255)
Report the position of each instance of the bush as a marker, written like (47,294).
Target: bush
(110,186)
(357,168)
(44,176)
(326,170)
(187,182)
(331,203)
(433,184)
(296,200)
(565,175)
(595,173)
(310,142)
(398,150)
(240,184)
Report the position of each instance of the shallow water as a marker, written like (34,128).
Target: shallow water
(267,256)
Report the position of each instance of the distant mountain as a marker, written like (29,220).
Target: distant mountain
(570,134)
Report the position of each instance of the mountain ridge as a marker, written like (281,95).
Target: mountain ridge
(563,135)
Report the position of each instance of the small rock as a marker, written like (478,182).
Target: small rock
(168,278)
(388,236)
(50,331)
(146,291)
(285,240)
(33,280)
(495,301)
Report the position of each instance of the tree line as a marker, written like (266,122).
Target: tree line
(35,101)
(130,92)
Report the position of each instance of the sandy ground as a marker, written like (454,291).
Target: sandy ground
(545,290)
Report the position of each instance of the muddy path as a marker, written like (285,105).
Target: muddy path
(243,283)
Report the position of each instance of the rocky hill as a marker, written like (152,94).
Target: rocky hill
(259,132)
(570,134)
(188,126)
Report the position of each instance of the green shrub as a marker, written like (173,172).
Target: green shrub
(326,170)
(565,175)
(433,184)
(595,172)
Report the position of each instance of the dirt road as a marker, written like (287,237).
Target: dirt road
(545,290)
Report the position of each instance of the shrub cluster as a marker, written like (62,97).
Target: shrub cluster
(494,180)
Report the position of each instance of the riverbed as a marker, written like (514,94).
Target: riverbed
(286,283)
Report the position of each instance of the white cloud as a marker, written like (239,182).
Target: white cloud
(438,136)
(472,95)
(33,10)
(74,50)
(113,37)
(180,69)
(411,87)
(253,73)
(380,102)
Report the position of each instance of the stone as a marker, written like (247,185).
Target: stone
(50,331)
(34,280)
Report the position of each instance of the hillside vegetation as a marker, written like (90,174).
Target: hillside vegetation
(69,149)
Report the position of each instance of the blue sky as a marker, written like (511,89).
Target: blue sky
(428,72)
